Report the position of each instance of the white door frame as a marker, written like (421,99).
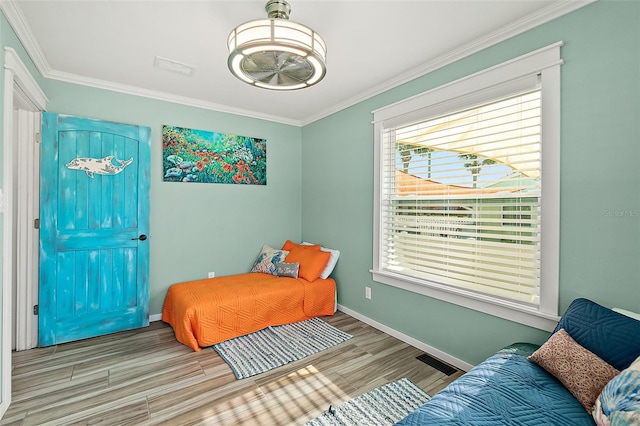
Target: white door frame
(26,131)
(15,74)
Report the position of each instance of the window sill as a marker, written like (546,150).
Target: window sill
(486,304)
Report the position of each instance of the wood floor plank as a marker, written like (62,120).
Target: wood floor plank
(122,413)
(24,382)
(50,394)
(206,402)
(145,377)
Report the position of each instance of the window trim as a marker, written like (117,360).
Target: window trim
(545,62)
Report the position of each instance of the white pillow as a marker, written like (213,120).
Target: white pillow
(333,259)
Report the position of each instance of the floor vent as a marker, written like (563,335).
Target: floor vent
(437,364)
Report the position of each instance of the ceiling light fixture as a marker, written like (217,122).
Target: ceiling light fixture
(276,53)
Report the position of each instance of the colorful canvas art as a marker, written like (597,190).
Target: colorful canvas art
(190,155)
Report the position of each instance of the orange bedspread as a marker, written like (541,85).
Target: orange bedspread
(205,312)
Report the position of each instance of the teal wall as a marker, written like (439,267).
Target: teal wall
(600,183)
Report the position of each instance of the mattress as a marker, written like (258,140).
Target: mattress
(205,312)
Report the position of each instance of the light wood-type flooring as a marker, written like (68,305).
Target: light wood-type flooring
(145,377)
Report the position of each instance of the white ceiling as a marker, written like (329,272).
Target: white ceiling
(372,45)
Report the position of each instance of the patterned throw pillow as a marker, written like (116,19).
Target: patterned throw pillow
(619,402)
(267,260)
(581,371)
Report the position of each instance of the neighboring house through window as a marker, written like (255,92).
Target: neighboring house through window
(465,211)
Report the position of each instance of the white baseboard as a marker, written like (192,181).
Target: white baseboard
(458,363)
(155,317)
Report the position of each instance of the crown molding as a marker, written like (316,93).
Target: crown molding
(22,29)
(555,10)
(166,97)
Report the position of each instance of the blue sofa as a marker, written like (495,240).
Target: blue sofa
(508,389)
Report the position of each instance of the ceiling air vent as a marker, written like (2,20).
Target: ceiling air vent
(173,66)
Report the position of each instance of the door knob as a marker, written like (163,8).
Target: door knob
(141,237)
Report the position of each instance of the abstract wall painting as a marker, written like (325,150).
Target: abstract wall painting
(190,155)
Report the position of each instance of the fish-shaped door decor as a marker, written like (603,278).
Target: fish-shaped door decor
(101,166)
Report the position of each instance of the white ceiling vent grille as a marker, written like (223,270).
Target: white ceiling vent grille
(173,66)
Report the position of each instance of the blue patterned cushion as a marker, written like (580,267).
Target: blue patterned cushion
(619,402)
(267,260)
(612,336)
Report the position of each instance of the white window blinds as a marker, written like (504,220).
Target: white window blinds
(460,197)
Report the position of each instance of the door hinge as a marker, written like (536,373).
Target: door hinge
(36,309)
(36,223)
(38,138)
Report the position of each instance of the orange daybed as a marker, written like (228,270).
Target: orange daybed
(205,312)
(209,311)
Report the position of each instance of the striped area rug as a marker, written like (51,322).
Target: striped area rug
(273,347)
(383,406)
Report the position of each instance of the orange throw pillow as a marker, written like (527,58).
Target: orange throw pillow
(312,261)
(290,244)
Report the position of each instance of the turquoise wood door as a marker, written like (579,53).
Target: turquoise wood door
(94,223)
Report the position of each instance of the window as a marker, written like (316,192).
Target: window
(465,210)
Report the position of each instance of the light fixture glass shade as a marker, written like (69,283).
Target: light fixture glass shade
(277,53)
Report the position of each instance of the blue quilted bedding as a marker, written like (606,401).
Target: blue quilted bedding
(505,389)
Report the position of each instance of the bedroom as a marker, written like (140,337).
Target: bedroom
(221,228)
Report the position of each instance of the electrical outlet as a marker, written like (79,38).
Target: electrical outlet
(367,293)
(212,274)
